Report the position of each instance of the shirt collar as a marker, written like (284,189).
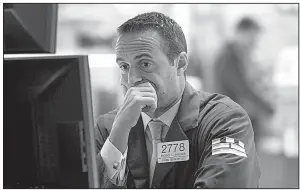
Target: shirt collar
(166,117)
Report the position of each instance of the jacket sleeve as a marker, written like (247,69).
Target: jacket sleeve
(229,159)
(101,134)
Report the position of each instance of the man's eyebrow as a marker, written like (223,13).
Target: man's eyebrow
(143,55)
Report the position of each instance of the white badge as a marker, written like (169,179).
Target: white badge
(174,151)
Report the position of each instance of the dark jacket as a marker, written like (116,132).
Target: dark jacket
(201,118)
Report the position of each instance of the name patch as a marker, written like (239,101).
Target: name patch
(174,151)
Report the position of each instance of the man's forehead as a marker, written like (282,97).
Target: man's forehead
(149,37)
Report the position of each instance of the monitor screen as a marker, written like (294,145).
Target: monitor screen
(29,28)
(48,123)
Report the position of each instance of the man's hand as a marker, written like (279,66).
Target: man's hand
(137,99)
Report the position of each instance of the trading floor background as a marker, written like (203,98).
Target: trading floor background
(273,72)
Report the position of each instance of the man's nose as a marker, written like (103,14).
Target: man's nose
(134,77)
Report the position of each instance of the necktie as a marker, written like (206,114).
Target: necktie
(155,129)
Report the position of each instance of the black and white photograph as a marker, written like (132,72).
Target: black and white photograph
(150,95)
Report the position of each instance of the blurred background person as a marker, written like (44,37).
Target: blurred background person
(231,73)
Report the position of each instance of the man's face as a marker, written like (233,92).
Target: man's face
(141,58)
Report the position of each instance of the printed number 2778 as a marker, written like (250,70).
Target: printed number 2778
(167,148)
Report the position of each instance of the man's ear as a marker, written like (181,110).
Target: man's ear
(181,63)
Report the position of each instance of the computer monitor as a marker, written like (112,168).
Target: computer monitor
(29,28)
(48,125)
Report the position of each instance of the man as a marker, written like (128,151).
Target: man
(232,68)
(165,134)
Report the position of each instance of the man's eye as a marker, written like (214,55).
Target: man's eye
(124,67)
(146,64)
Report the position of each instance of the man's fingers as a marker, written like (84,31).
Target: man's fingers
(141,84)
(135,95)
(143,95)
(145,84)
(143,89)
(147,94)
(149,101)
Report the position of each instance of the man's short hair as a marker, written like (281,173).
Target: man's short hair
(168,29)
(247,23)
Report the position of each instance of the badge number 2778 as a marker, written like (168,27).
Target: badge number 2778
(174,151)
